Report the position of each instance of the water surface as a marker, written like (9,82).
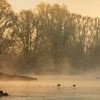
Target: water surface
(45,89)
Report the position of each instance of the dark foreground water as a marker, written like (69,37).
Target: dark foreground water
(45,89)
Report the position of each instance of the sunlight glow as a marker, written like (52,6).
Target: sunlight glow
(84,7)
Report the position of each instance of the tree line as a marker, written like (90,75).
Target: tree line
(48,38)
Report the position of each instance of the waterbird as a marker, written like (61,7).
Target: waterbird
(3,94)
(74,85)
(58,85)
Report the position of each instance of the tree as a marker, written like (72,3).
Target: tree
(54,31)
(5,26)
(25,36)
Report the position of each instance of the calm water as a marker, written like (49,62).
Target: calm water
(45,89)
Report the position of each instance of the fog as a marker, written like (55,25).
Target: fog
(87,88)
(46,41)
(57,51)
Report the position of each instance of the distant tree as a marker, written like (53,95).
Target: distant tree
(25,38)
(51,30)
(5,26)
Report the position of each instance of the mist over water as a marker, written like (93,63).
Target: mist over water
(45,88)
(59,50)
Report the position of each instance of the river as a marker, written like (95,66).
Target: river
(45,89)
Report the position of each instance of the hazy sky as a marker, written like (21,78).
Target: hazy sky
(84,7)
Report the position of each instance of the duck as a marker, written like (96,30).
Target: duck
(3,94)
(74,85)
(58,85)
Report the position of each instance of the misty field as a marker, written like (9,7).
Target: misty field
(45,89)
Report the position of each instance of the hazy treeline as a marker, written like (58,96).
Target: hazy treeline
(48,38)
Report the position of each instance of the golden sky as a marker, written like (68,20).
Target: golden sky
(84,7)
